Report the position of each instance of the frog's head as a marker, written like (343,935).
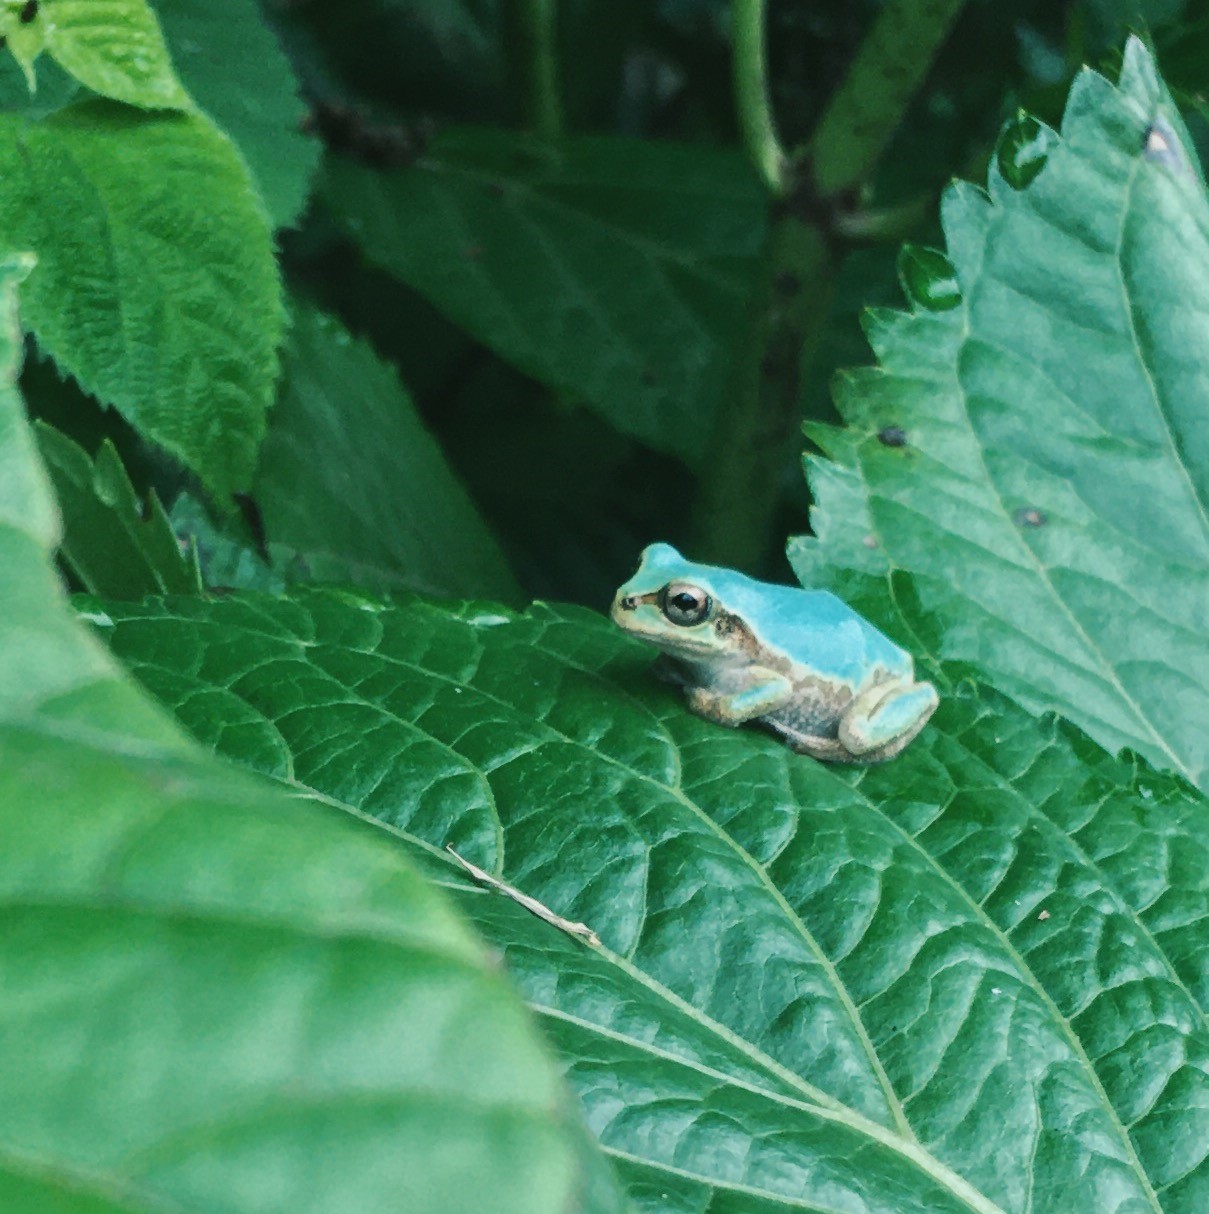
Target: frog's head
(676,605)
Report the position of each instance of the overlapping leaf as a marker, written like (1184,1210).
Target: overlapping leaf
(382,508)
(216,997)
(615,271)
(237,73)
(114,544)
(975,979)
(114,47)
(156,286)
(1042,468)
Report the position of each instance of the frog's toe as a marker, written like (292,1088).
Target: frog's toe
(880,722)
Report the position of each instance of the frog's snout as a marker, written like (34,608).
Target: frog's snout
(622,604)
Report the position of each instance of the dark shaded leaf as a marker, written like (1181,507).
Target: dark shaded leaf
(614,271)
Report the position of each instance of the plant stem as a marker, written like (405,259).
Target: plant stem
(538,28)
(751,95)
(755,430)
(869,105)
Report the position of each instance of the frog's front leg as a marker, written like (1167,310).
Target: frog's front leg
(765,690)
(883,718)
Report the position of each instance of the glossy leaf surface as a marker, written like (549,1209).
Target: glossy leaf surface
(215,996)
(156,286)
(973,979)
(616,272)
(1051,500)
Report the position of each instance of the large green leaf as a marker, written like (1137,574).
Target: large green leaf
(353,488)
(236,72)
(1034,450)
(215,996)
(975,979)
(114,47)
(612,270)
(156,285)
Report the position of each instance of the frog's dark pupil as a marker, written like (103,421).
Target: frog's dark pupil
(684,604)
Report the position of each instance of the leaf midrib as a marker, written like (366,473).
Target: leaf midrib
(829,1110)
(965,1194)
(1043,573)
(1167,428)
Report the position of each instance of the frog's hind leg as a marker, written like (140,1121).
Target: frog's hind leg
(880,722)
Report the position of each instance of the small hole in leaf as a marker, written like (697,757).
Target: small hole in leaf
(1030,516)
(29,12)
(1163,147)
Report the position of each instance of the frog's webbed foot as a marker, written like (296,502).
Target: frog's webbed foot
(734,708)
(829,750)
(884,718)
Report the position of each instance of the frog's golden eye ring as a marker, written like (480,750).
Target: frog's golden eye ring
(683,603)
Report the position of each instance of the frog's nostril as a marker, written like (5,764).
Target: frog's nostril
(628,603)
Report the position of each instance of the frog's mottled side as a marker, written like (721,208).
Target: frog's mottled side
(800,661)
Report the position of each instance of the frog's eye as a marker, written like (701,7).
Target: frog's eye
(684,603)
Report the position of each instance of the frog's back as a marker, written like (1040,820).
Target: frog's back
(815,628)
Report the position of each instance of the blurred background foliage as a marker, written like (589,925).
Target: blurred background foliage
(569,312)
